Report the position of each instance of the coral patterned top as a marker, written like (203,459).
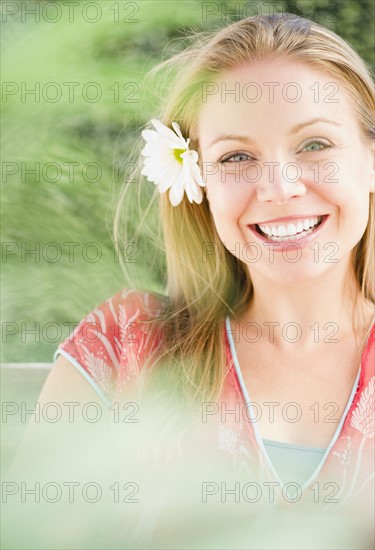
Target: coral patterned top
(109,349)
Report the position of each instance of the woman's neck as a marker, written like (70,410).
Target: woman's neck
(316,309)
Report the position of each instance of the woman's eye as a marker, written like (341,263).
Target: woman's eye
(317,144)
(242,157)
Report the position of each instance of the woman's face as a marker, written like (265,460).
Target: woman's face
(289,197)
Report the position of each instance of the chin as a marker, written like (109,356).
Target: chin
(292,273)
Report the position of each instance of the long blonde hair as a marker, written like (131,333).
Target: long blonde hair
(199,294)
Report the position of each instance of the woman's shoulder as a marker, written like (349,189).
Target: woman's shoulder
(112,342)
(133,300)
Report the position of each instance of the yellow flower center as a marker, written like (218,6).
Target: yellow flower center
(177,153)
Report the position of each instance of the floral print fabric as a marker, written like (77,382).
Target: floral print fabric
(111,348)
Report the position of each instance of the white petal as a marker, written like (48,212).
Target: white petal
(194,168)
(193,192)
(177,129)
(198,197)
(176,194)
(169,135)
(190,193)
(163,172)
(150,135)
(163,177)
(164,185)
(170,177)
(193,155)
(196,173)
(162,128)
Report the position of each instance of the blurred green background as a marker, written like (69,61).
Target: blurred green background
(77,132)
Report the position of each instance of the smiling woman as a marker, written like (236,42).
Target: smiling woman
(283,190)
(266,209)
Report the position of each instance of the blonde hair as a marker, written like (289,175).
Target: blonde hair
(199,294)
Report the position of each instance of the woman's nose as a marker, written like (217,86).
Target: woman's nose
(279,182)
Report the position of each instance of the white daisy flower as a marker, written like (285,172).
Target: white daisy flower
(170,164)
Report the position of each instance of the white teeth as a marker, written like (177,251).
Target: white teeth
(292,229)
(299,227)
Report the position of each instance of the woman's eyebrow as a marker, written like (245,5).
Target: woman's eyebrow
(295,129)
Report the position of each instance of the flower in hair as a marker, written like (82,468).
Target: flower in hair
(170,164)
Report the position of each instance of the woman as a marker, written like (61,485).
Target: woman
(267,317)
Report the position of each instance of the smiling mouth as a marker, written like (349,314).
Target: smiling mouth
(291,231)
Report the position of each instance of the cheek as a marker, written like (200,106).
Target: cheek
(228,196)
(352,212)
(343,184)
(226,209)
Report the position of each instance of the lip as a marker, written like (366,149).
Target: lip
(301,242)
(290,218)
